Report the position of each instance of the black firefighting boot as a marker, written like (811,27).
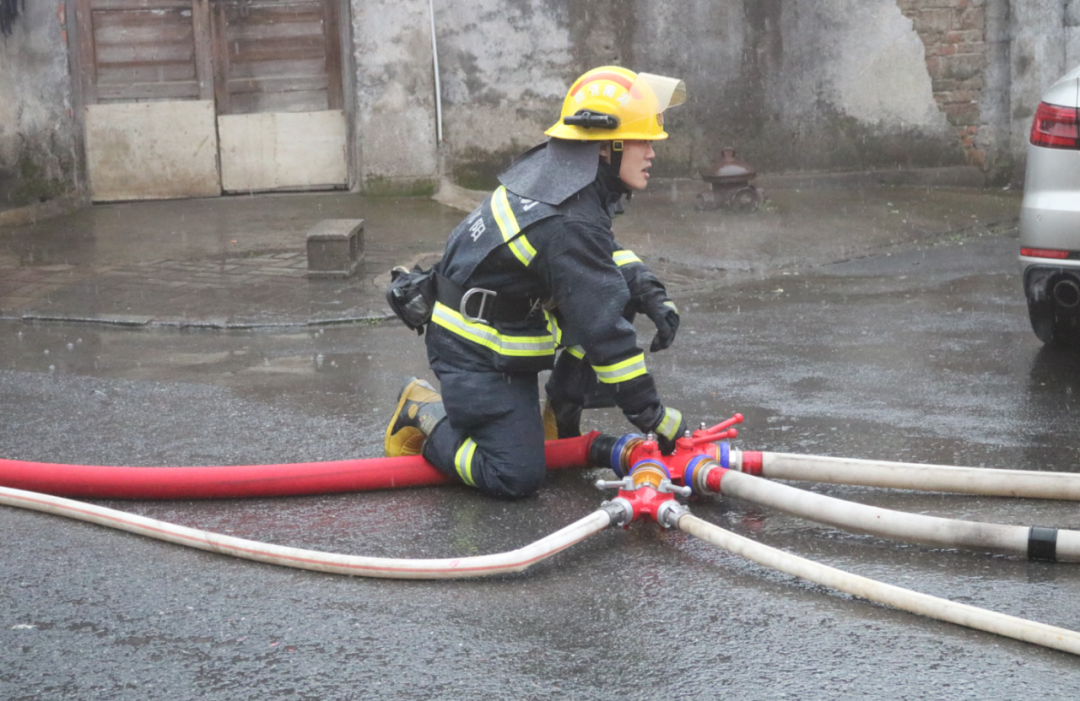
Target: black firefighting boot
(419,410)
(561,419)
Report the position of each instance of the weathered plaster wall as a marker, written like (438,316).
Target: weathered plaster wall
(811,84)
(501,66)
(954,35)
(504,67)
(711,47)
(1072,32)
(993,137)
(395,93)
(845,87)
(989,61)
(792,84)
(1045,43)
(37,134)
(1037,59)
(832,84)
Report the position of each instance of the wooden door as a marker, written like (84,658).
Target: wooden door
(147,85)
(189,98)
(276,56)
(277,84)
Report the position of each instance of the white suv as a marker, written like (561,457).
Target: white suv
(1050,215)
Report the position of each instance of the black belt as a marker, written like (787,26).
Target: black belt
(479,304)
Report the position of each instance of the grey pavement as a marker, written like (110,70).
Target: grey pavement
(241,262)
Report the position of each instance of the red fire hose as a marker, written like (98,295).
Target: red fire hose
(239,481)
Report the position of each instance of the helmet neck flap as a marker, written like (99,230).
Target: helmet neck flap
(553,170)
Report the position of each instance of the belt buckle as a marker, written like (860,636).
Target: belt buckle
(484,294)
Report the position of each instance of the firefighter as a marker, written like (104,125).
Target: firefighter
(533,269)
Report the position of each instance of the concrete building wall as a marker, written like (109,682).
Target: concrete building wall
(811,84)
(848,89)
(1037,59)
(38,145)
(504,67)
(792,84)
(993,137)
(395,93)
(1072,32)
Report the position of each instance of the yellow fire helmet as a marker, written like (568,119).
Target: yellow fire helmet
(612,103)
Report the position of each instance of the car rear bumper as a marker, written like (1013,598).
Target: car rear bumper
(1057,284)
(1050,211)
(1051,219)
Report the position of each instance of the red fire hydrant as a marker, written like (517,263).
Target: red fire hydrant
(731,185)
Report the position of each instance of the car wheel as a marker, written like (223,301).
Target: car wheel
(1054,328)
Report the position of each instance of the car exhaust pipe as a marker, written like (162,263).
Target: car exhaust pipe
(1067,293)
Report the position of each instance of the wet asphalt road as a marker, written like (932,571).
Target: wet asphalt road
(923,355)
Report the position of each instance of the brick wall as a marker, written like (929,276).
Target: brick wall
(953,33)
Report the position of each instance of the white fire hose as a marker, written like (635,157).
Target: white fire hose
(1036,543)
(929,478)
(888,594)
(520,559)
(393,568)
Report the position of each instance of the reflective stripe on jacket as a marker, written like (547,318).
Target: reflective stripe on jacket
(566,259)
(489,337)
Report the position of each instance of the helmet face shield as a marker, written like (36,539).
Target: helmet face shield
(647,98)
(634,100)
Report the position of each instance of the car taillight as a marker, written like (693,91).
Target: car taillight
(1056,127)
(1043,253)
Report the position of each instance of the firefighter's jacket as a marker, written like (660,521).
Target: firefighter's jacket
(566,260)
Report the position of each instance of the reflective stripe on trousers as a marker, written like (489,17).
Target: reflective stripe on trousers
(622,371)
(463,461)
(493,438)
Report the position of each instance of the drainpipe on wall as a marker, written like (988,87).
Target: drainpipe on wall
(435,67)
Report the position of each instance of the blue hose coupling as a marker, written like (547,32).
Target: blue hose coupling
(620,453)
(697,470)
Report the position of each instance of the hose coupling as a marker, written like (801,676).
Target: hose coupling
(669,513)
(697,473)
(614,452)
(620,510)
(751,462)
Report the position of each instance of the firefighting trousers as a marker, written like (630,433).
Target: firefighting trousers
(571,387)
(493,435)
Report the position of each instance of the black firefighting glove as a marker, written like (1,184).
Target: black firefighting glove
(649,297)
(665,315)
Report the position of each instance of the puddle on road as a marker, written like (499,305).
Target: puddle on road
(345,362)
(217,228)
